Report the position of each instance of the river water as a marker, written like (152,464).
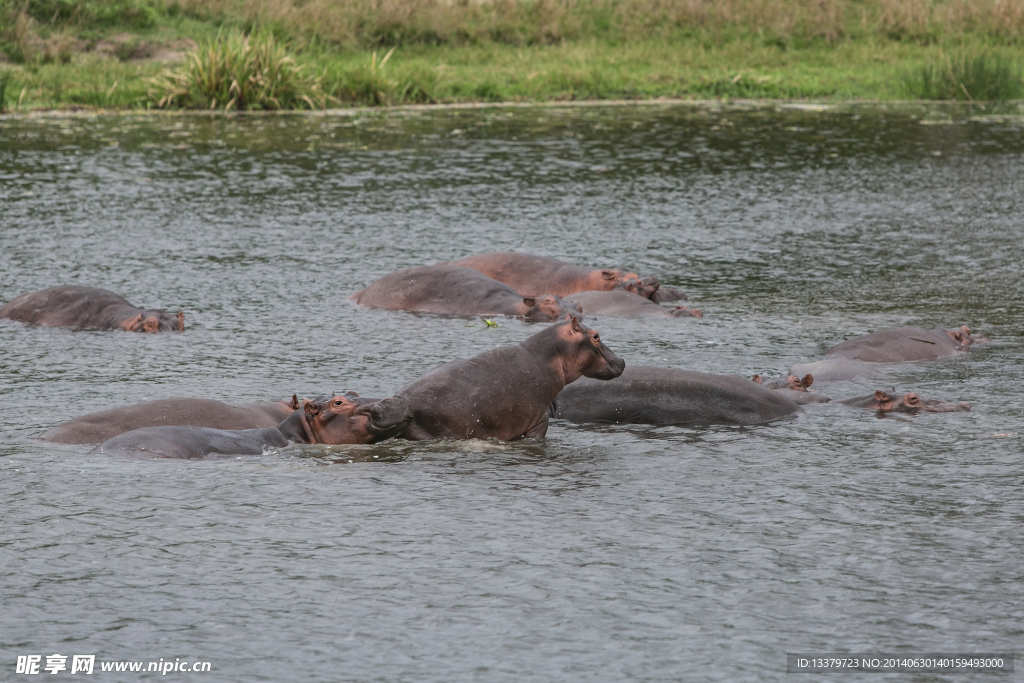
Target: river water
(606,553)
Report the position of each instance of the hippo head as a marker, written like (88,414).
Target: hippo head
(348,419)
(791,382)
(912,403)
(686,312)
(645,287)
(584,354)
(155,321)
(608,279)
(963,337)
(548,307)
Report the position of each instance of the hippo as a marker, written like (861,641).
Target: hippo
(452,290)
(535,275)
(666,295)
(621,303)
(884,402)
(328,420)
(652,395)
(88,308)
(905,344)
(193,412)
(645,287)
(505,393)
(834,369)
(792,387)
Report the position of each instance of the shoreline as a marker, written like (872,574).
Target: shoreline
(725,103)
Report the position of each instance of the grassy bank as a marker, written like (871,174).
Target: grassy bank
(191,54)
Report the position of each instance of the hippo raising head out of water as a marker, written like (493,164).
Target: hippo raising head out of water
(884,402)
(89,308)
(451,290)
(505,393)
(334,420)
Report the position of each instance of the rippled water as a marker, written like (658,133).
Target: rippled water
(599,553)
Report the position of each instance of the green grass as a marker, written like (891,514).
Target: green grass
(316,53)
(583,70)
(967,75)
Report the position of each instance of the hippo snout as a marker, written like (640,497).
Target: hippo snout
(390,415)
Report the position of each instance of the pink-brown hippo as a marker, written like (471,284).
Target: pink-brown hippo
(452,290)
(884,402)
(533,275)
(88,308)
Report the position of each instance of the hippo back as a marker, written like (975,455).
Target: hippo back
(68,306)
(192,442)
(195,412)
(651,395)
(450,290)
(903,344)
(617,302)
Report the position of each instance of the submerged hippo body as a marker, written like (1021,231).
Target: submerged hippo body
(622,303)
(452,290)
(834,369)
(652,395)
(88,308)
(532,275)
(904,344)
(194,412)
(505,393)
(335,420)
(912,403)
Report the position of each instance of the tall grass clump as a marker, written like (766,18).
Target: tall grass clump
(5,80)
(983,75)
(239,71)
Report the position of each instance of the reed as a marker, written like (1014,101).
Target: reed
(967,75)
(5,80)
(239,71)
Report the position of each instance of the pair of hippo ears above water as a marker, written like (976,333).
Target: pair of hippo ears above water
(791,382)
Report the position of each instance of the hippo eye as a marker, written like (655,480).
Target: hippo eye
(597,338)
(338,403)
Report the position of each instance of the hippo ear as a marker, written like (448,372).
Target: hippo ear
(881,398)
(132,324)
(756,379)
(181,321)
(295,402)
(807,381)
(574,322)
(608,274)
(529,301)
(311,408)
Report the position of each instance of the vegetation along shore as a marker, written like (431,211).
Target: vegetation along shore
(295,54)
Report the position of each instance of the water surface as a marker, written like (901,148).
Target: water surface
(598,553)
